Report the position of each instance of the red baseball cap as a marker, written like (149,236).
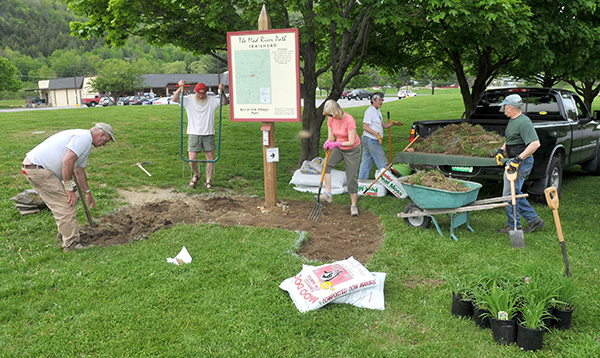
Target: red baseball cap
(200,86)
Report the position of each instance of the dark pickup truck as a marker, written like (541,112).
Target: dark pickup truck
(568,133)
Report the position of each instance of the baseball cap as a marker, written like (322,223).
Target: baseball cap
(199,87)
(106,128)
(512,100)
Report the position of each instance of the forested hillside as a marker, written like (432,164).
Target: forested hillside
(36,39)
(37,28)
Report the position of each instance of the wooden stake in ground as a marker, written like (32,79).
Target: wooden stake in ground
(264,23)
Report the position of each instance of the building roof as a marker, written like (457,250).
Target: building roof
(64,83)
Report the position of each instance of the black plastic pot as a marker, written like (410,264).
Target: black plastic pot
(461,308)
(562,318)
(504,332)
(480,317)
(529,339)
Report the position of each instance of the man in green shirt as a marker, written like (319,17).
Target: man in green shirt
(521,142)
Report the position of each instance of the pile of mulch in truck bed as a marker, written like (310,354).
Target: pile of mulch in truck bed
(435,180)
(461,139)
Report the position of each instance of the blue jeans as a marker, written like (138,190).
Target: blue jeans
(523,207)
(372,153)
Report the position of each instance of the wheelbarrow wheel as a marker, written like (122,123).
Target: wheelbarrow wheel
(418,221)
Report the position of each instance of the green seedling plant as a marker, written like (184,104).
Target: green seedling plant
(501,299)
(566,293)
(534,313)
(458,287)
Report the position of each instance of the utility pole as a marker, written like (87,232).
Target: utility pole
(131,58)
(75,85)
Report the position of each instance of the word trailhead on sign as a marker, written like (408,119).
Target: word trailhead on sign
(264,76)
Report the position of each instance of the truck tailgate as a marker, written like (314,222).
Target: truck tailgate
(444,159)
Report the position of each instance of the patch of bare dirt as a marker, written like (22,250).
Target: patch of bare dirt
(335,236)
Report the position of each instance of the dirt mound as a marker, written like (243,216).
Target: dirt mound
(335,236)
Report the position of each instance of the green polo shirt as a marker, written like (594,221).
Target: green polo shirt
(520,131)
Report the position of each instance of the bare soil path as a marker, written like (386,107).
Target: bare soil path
(335,236)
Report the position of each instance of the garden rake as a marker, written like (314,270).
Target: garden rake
(318,207)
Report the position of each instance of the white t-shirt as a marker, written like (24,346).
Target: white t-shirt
(50,153)
(201,118)
(374,120)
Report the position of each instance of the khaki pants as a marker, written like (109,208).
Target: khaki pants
(52,191)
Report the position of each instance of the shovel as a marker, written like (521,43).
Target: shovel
(552,200)
(318,207)
(142,168)
(82,197)
(516,236)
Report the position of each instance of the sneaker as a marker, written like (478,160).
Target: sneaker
(353,210)
(325,197)
(538,223)
(507,229)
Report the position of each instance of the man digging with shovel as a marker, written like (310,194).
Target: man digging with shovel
(51,168)
(521,142)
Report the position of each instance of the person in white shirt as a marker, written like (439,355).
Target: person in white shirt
(372,138)
(200,111)
(49,168)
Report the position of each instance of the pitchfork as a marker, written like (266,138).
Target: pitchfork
(318,207)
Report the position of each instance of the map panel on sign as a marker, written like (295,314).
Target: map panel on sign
(253,77)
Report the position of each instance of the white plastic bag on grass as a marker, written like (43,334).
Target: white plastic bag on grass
(371,297)
(338,179)
(314,287)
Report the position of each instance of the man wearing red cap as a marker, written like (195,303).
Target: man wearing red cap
(200,111)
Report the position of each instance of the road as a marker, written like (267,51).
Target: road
(344,103)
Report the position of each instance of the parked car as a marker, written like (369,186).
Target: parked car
(164,100)
(345,94)
(90,102)
(359,94)
(150,100)
(131,100)
(106,101)
(136,100)
(405,94)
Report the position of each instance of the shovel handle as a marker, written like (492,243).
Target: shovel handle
(552,197)
(142,168)
(511,175)
(324,168)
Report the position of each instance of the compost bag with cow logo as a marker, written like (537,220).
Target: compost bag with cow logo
(314,287)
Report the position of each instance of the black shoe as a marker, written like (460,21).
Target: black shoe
(538,223)
(507,229)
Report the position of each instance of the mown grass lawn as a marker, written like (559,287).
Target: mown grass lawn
(127,301)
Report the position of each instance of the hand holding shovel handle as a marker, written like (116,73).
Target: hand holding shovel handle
(552,200)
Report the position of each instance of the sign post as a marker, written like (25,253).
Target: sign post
(264,83)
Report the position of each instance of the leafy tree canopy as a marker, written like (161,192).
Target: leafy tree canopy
(8,81)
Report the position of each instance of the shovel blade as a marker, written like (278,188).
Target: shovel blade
(516,238)
(316,212)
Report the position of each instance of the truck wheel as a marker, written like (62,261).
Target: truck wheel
(418,221)
(554,174)
(93,104)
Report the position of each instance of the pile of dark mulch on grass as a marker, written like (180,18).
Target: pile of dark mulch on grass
(461,139)
(435,180)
